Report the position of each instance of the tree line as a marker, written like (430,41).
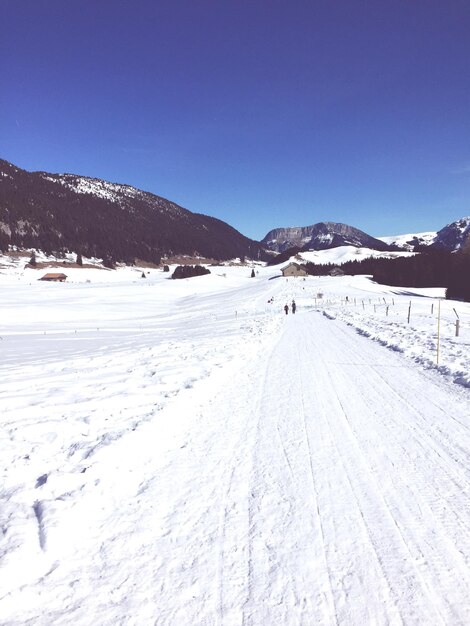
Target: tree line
(430,268)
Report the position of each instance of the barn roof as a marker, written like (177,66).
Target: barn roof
(53,276)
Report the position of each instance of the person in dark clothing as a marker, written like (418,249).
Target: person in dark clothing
(294,306)
(286,309)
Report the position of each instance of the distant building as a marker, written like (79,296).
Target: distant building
(57,278)
(336,271)
(294,269)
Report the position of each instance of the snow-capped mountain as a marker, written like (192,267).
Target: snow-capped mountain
(60,212)
(321,236)
(410,241)
(454,235)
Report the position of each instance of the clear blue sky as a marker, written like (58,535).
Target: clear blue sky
(263,113)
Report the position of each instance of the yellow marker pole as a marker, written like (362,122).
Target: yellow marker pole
(438,331)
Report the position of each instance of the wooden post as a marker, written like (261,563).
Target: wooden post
(438,331)
(363,305)
(432,308)
(409,312)
(386,311)
(457,323)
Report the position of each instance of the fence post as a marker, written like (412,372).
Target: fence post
(457,323)
(409,312)
(438,331)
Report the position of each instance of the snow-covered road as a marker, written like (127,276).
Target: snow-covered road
(343,498)
(359,487)
(303,475)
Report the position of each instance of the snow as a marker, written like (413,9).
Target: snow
(95,187)
(462,224)
(342,254)
(425,238)
(114,192)
(182,452)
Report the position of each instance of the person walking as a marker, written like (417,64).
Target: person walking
(286,309)
(294,306)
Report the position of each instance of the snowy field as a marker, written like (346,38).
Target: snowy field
(182,452)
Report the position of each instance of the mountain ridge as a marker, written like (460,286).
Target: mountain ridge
(97,218)
(321,236)
(119,222)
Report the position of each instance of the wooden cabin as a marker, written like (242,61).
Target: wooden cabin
(54,277)
(293,269)
(336,271)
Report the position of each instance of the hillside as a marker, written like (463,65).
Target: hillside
(66,212)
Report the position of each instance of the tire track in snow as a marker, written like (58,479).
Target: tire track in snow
(455,611)
(288,586)
(313,482)
(359,581)
(361,489)
(447,490)
(427,430)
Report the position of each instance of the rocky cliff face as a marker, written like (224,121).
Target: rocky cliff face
(280,239)
(320,237)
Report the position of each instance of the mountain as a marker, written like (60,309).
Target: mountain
(453,236)
(281,239)
(321,236)
(67,212)
(410,241)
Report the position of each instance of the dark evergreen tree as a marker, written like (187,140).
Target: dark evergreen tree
(188,271)
(108,262)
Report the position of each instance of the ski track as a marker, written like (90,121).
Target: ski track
(314,479)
